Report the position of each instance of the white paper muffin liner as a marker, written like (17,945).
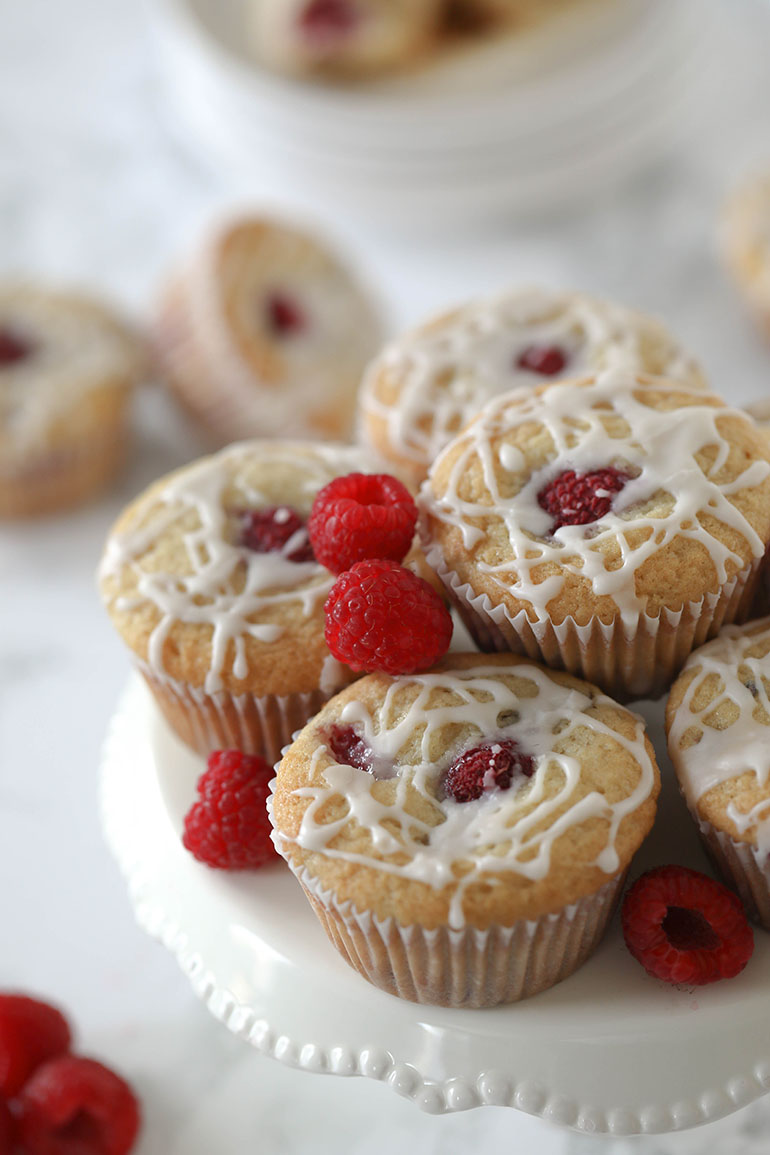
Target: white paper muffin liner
(628,661)
(262,724)
(464,967)
(739,863)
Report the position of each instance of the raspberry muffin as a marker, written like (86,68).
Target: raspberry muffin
(463,834)
(427,385)
(265,334)
(210,580)
(67,365)
(343,38)
(718,725)
(746,244)
(607,525)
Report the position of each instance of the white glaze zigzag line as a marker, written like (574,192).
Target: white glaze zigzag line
(490,1088)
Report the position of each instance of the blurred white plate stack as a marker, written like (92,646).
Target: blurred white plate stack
(524,123)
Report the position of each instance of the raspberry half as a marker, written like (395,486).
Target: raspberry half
(547,360)
(362,515)
(228,828)
(579,498)
(684,927)
(75,1106)
(285,318)
(13,347)
(381,616)
(31,1032)
(484,768)
(324,22)
(273,530)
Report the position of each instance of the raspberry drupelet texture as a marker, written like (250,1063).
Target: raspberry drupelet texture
(228,828)
(279,529)
(684,927)
(76,1106)
(31,1032)
(547,360)
(361,516)
(381,616)
(580,498)
(484,768)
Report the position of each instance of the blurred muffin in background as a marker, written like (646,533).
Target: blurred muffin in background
(264,332)
(746,244)
(67,365)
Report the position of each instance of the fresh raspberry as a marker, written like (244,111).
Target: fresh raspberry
(326,22)
(547,360)
(484,768)
(381,616)
(284,316)
(75,1106)
(31,1032)
(229,828)
(349,747)
(272,530)
(7,1130)
(362,515)
(579,498)
(684,927)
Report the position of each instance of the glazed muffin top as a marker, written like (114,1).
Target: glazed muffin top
(62,357)
(367,802)
(284,326)
(428,384)
(197,600)
(718,726)
(667,489)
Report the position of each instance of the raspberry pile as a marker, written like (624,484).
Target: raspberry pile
(51,1101)
(381,616)
(361,516)
(684,927)
(279,529)
(488,767)
(580,498)
(228,827)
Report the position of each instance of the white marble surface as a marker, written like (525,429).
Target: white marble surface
(92,190)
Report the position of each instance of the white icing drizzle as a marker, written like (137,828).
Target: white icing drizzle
(658,450)
(499,832)
(744,745)
(447,373)
(74,351)
(206,595)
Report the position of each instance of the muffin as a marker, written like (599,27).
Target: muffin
(607,525)
(463,834)
(265,334)
(210,580)
(343,39)
(718,726)
(67,365)
(427,385)
(746,244)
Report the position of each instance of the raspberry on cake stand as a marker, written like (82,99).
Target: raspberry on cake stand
(609,1050)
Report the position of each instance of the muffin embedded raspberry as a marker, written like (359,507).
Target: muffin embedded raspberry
(462,834)
(228,827)
(427,385)
(683,927)
(561,528)
(718,727)
(67,368)
(265,333)
(210,580)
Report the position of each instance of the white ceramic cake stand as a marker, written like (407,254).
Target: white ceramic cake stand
(608,1050)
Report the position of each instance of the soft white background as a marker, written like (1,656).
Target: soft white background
(93,191)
